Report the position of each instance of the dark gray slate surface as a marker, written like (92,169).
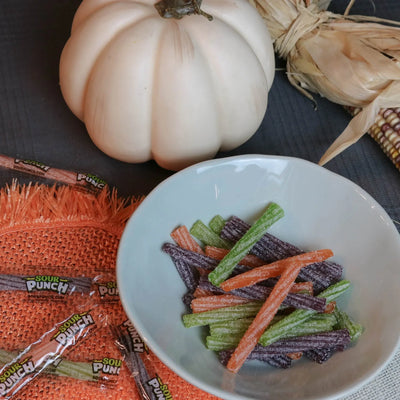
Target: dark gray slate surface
(35,122)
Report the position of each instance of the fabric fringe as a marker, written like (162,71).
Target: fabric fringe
(36,206)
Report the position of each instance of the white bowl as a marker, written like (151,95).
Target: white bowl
(322,210)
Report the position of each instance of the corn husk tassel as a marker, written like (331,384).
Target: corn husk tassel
(351,60)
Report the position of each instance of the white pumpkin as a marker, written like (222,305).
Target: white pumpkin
(173,90)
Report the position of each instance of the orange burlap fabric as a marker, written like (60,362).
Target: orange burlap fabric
(70,233)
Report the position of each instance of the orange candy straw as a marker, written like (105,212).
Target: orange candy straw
(249,260)
(213,302)
(184,239)
(271,270)
(306,287)
(267,312)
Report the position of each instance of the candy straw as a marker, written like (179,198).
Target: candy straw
(225,338)
(258,274)
(218,253)
(270,248)
(207,303)
(78,179)
(203,233)
(242,247)
(264,317)
(47,350)
(188,273)
(41,282)
(232,327)
(259,292)
(345,322)
(184,239)
(302,287)
(223,342)
(200,292)
(321,340)
(221,314)
(330,307)
(71,369)
(297,317)
(134,362)
(190,257)
(324,340)
(274,269)
(216,224)
(279,361)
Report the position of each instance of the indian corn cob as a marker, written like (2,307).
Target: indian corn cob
(386,132)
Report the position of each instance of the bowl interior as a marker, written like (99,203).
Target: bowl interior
(322,210)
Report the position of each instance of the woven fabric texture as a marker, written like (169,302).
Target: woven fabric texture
(84,245)
(67,233)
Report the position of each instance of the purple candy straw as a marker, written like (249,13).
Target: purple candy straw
(269,248)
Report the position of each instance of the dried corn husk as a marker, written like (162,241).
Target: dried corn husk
(351,60)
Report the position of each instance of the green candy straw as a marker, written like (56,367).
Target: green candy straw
(222,314)
(223,342)
(232,327)
(235,326)
(345,322)
(203,233)
(216,224)
(297,317)
(316,324)
(71,369)
(242,247)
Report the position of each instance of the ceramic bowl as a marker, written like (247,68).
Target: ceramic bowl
(322,210)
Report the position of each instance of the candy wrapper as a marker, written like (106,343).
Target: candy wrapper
(47,350)
(80,180)
(143,371)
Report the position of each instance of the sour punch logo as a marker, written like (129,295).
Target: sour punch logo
(14,373)
(160,390)
(108,289)
(93,180)
(137,342)
(47,282)
(36,164)
(70,328)
(109,366)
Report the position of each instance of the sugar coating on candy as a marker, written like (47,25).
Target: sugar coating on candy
(134,362)
(303,343)
(217,223)
(299,316)
(190,257)
(277,361)
(345,322)
(221,314)
(203,233)
(259,292)
(226,335)
(189,274)
(207,303)
(270,248)
(320,355)
(183,238)
(223,270)
(281,361)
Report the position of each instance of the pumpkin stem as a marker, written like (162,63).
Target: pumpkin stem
(179,8)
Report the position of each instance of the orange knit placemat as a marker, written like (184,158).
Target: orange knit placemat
(65,232)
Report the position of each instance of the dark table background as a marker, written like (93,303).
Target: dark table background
(35,122)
